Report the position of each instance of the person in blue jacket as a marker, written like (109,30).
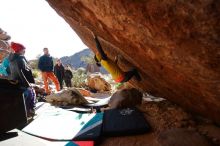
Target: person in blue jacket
(46,66)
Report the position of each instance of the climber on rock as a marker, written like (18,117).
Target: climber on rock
(117,74)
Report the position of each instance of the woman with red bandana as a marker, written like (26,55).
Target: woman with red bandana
(21,71)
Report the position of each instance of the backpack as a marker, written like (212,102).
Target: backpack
(12,106)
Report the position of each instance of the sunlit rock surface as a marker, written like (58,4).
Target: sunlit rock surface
(174,44)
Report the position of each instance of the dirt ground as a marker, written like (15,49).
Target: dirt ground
(171,125)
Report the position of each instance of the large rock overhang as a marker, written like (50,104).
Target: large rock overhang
(174,44)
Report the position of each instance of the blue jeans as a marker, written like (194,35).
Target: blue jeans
(30,98)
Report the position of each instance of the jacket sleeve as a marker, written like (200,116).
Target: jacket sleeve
(5,63)
(40,64)
(28,72)
(100,50)
(71,74)
(21,70)
(56,70)
(51,65)
(62,71)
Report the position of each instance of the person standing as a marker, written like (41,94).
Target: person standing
(21,72)
(45,64)
(59,72)
(68,75)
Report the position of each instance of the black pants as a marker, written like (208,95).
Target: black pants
(68,82)
(130,74)
(61,83)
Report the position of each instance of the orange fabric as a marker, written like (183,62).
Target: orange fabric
(84,143)
(50,75)
(120,79)
(84,92)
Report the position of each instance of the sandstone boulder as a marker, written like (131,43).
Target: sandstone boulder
(125,98)
(3,49)
(84,92)
(4,36)
(182,137)
(98,83)
(70,96)
(4,46)
(174,44)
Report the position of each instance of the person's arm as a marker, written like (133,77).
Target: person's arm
(29,75)
(52,66)
(40,64)
(21,69)
(71,74)
(24,79)
(99,48)
(62,71)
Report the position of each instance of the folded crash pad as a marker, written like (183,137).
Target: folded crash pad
(119,122)
(82,143)
(24,139)
(58,124)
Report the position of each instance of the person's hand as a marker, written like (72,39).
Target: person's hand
(98,64)
(32,85)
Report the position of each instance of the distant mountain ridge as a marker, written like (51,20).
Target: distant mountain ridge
(75,59)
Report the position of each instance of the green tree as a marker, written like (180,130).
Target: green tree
(89,59)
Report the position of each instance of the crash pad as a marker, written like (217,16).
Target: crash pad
(99,102)
(24,139)
(58,124)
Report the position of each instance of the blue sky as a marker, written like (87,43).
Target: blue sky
(36,25)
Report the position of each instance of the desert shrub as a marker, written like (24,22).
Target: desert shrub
(35,73)
(89,59)
(79,78)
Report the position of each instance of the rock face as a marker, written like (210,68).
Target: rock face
(95,82)
(4,46)
(181,137)
(67,97)
(174,44)
(125,98)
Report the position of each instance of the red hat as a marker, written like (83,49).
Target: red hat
(17,47)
